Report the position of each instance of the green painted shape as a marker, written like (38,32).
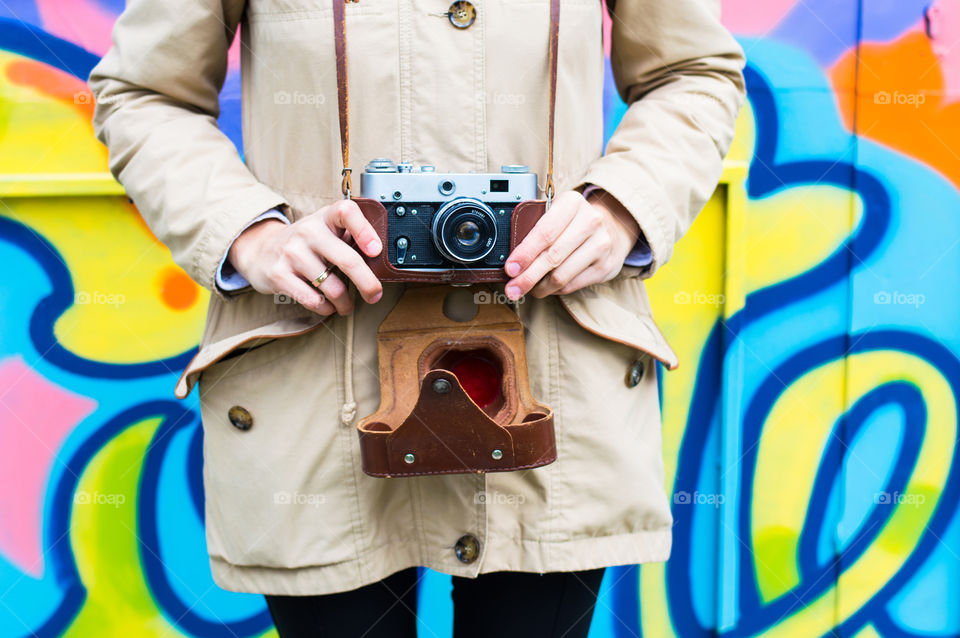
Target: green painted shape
(777,572)
(103,537)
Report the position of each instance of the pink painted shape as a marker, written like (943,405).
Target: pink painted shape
(82,22)
(749,17)
(88,25)
(35,418)
(944,17)
(607,28)
(233,54)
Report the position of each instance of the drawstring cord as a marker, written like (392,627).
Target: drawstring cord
(349,408)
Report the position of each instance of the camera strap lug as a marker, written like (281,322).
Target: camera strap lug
(347,186)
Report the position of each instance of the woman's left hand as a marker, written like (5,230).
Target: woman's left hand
(577,243)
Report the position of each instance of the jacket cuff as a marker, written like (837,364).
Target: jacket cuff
(225,224)
(228,279)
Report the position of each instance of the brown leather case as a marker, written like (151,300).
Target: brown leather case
(426,422)
(525,216)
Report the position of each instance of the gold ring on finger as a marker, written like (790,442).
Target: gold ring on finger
(322,277)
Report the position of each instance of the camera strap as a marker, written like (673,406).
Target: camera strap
(343,95)
(554,46)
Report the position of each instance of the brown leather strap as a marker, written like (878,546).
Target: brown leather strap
(340,42)
(554,50)
(343,93)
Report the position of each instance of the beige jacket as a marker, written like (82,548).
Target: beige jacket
(288,509)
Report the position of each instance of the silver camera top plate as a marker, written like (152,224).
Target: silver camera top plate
(388,182)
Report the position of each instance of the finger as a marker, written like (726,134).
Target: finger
(544,232)
(351,264)
(335,290)
(585,256)
(591,275)
(346,215)
(306,295)
(574,235)
(309,266)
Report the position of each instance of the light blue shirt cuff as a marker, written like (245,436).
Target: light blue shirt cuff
(640,255)
(228,279)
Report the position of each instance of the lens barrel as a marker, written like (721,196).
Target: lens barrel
(464,230)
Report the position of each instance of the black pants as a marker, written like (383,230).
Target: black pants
(496,605)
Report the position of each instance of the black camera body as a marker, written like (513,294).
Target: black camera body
(443,221)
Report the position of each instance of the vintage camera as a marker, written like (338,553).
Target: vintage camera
(446,221)
(454,387)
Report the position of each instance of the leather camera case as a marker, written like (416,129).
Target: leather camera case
(525,216)
(426,422)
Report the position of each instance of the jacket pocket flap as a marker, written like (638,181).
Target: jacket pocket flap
(216,351)
(619,311)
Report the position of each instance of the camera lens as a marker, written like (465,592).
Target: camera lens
(468,234)
(464,230)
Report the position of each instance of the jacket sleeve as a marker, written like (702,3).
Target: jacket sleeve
(679,70)
(157,101)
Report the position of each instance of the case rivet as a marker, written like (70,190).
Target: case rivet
(409,458)
(441,386)
(497,455)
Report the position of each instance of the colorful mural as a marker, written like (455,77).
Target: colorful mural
(810,435)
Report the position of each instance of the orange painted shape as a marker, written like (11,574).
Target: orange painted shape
(51,81)
(901,102)
(177,290)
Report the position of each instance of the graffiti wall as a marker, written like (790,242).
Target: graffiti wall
(810,434)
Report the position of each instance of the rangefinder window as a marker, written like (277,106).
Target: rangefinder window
(499,186)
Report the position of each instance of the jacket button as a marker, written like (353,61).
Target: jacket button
(635,373)
(240,417)
(462,14)
(467,548)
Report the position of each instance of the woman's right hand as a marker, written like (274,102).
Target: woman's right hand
(285,258)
